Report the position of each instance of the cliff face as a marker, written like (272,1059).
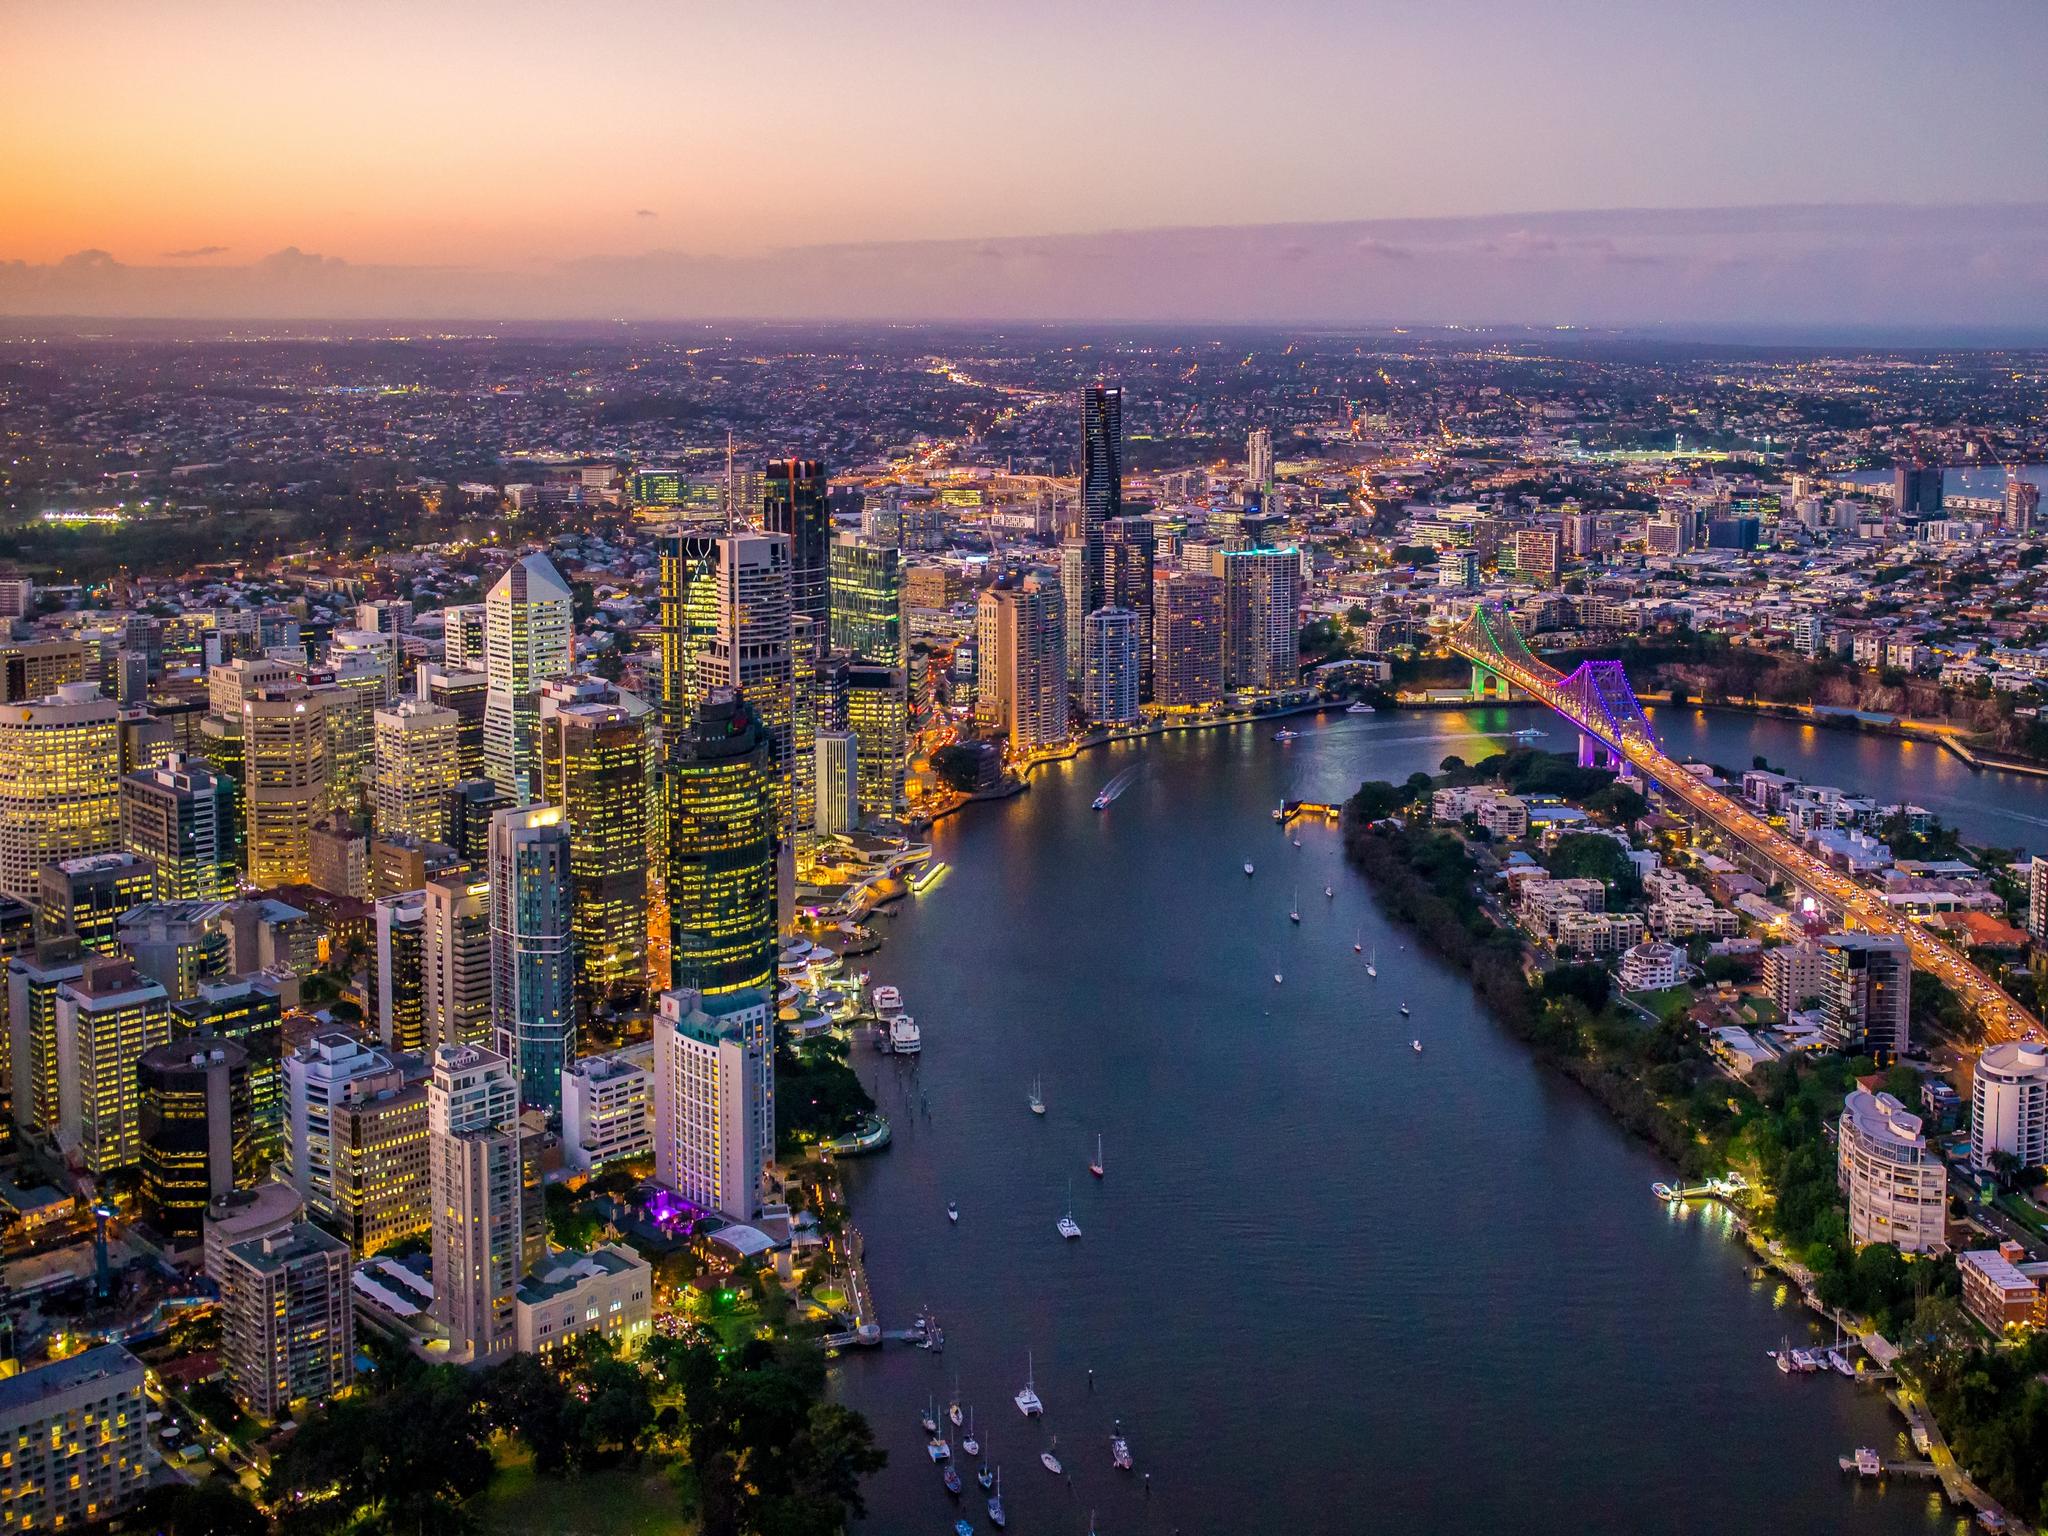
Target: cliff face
(1753,675)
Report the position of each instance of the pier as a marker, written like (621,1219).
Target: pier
(1289,809)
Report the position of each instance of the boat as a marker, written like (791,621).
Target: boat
(996,1517)
(1119,1448)
(1066,1225)
(1358,944)
(1037,1099)
(1663,1191)
(1361,708)
(905,1038)
(1096,1166)
(1404,1010)
(1050,1462)
(1284,734)
(940,1449)
(1866,1462)
(1297,842)
(962,1528)
(968,1443)
(985,1477)
(887,1001)
(1840,1362)
(1416,1043)
(1372,963)
(1276,978)
(1527,733)
(1330,891)
(953,1414)
(1294,910)
(930,1417)
(1247,866)
(952,1211)
(1115,787)
(952,1480)
(1027,1401)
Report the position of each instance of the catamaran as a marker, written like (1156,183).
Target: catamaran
(1096,1166)
(1027,1401)
(1066,1225)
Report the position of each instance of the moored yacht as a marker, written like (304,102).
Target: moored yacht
(905,1038)
(1027,1401)
(887,1001)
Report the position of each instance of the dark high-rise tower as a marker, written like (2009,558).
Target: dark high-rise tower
(683,557)
(719,801)
(793,503)
(1129,550)
(1102,481)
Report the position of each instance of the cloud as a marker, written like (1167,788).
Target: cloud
(292,261)
(645,213)
(195,252)
(89,261)
(1383,250)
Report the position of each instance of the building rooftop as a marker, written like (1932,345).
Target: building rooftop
(100,1364)
(564,1271)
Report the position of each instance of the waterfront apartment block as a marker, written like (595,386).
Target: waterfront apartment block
(714,1099)
(1896,1186)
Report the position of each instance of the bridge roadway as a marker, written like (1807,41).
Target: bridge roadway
(2002,1018)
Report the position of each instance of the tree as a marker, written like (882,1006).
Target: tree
(211,1508)
(1452,764)
(1376,799)
(1592,856)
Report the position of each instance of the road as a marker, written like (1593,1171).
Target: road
(1860,907)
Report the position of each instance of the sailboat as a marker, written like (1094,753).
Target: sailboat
(968,1443)
(1119,1448)
(996,1517)
(952,1479)
(1096,1166)
(1050,1462)
(1247,866)
(953,1413)
(985,1477)
(1358,944)
(1330,891)
(1027,1401)
(1372,963)
(1066,1225)
(929,1419)
(1294,907)
(1404,1010)
(1037,1100)
(1276,978)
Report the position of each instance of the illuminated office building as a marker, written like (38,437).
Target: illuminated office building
(528,621)
(86,897)
(398,971)
(1102,480)
(32,982)
(418,762)
(196,1130)
(878,714)
(714,1099)
(746,642)
(456,1009)
(249,1011)
(106,1020)
(794,505)
(838,781)
(355,1139)
(78,1448)
(533,999)
(720,884)
(594,766)
(180,817)
(867,602)
(284,779)
(465,693)
(60,771)
(682,558)
(1187,640)
(1020,649)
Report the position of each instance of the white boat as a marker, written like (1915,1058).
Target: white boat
(1297,842)
(952,1211)
(1027,1401)
(1361,708)
(1330,891)
(1119,1448)
(1247,866)
(1404,1010)
(996,1517)
(1050,1462)
(1416,1043)
(930,1417)
(940,1450)
(1358,944)
(1372,963)
(1096,1167)
(968,1443)
(1294,911)
(905,1038)
(1037,1099)
(1276,978)
(887,1001)
(1066,1225)
(1284,734)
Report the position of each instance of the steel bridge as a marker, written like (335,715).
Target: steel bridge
(1613,729)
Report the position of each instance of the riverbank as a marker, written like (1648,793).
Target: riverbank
(1658,1084)
(1852,722)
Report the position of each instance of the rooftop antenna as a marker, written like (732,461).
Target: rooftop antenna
(731,496)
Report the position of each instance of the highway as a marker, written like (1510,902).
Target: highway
(2002,1018)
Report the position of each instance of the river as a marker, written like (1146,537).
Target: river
(1330,1284)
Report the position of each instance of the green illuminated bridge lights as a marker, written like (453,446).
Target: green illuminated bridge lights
(1598,699)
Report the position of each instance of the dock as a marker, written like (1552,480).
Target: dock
(1289,809)
(1888,1468)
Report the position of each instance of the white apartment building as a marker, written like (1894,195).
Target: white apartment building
(714,1099)
(2009,1104)
(607,1109)
(1896,1187)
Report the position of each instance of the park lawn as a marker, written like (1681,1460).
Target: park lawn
(620,1501)
(1666,1004)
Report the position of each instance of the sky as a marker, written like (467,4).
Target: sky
(668,158)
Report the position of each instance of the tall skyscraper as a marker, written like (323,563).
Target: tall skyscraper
(463,692)
(60,770)
(528,620)
(1130,548)
(106,1020)
(1020,640)
(794,505)
(1076,584)
(284,779)
(1109,674)
(457,1005)
(1102,474)
(398,971)
(867,602)
(533,954)
(1258,461)
(838,780)
(682,559)
(1187,639)
(483,1237)
(2009,1105)
(714,1099)
(462,637)
(1867,992)
(180,818)
(878,714)
(1261,619)
(594,766)
(2020,507)
(745,642)
(418,761)
(720,885)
